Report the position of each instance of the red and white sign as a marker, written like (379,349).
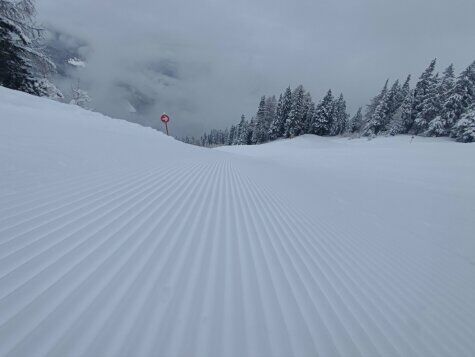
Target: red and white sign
(165,118)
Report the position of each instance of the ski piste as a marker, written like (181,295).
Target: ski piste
(116,240)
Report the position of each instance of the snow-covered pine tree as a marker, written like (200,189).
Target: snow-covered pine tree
(259,125)
(424,106)
(23,65)
(447,84)
(295,122)
(211,138)
(224,137)
(464,130)
(407,118)
(429,108)
(242,131)
(286,108)
(271,108)
(250,133)
(394,100)
(371,107)
(422,86)
(223,134)
(438,126)
(378,120)
(264,124)
(396,124)
(461,97)
(276,129)
(323,117)
(232,132)
(204,140)
(405,89)
(340,116)
(248,130)
(237,132)
(309,113)
(356,121)
(396,121)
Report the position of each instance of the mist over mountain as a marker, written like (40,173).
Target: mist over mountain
(207,62)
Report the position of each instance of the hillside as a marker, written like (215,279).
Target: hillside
(116,240)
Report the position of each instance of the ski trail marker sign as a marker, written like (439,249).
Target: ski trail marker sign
(165,119)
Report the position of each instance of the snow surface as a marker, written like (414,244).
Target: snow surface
(116,240)
(76,62)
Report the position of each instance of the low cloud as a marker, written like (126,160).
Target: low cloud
(206,61)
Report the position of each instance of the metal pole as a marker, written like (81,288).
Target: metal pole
(166,126)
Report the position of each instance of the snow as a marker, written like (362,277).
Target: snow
(76,62)
(116,240)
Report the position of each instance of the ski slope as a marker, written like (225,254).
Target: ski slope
(116,240)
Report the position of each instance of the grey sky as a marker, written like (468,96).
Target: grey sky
(207,61)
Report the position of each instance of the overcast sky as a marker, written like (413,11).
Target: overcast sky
(207,61)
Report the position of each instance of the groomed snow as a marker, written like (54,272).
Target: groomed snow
(116,240)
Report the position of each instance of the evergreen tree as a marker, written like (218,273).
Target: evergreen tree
(276,129)
(429,107)
(309,113)
(464,129)
(261,111)
(323,117)
(340,116)
(371,107)
(438,126)
(395,98)
(23,66)
(271,108)
(282,114)
(398,112)
(447,84)
(224,137)
(406,88)
(212,138)
(259,127)
(237,132)
(461,97)
(356,122)
(422,87)
(425,105)
(294,124)
(396,125)
(251,128)
(243,132)
(406,112)
(432,108)
(204,140)
(377,121)
(286,108)
(232,133)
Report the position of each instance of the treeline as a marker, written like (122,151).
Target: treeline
(438,105)
(293,114)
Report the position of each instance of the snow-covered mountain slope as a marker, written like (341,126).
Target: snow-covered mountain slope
(116,240)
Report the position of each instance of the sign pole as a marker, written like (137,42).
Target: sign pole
(165,119)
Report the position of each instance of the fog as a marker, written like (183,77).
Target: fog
(206,62)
